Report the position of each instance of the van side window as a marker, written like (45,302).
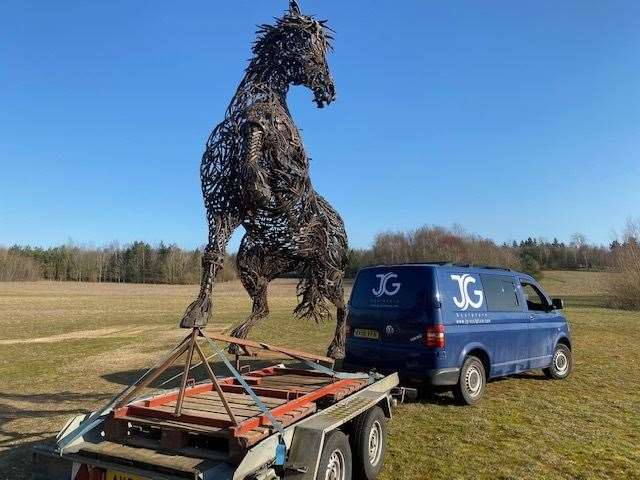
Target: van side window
(500,292)
(536,301)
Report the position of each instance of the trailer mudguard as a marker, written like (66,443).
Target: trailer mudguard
(309,434)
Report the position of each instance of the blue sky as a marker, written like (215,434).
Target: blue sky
(509,118)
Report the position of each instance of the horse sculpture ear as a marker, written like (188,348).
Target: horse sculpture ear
(294,8)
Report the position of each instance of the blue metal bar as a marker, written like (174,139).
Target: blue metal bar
(246,386)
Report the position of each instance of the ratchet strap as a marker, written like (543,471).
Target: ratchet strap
(246,386)
(325,370)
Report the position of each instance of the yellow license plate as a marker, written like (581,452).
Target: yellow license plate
(113,475)
(366,333)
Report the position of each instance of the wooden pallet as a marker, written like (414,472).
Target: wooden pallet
(290,395)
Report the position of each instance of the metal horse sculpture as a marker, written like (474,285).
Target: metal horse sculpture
(255,173)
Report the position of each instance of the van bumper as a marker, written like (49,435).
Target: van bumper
(435,377)
(442,376)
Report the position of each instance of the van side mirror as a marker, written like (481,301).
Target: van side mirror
(557,304)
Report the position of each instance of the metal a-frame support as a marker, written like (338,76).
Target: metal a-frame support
(189,345)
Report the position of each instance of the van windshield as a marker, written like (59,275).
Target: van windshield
(388,287)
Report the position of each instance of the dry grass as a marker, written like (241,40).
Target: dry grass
(89,347)
(572,284)
(579,288)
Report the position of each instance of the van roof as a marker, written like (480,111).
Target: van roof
(443,264)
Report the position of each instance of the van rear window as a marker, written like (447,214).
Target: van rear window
(390,287)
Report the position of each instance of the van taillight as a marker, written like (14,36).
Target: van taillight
(434,338)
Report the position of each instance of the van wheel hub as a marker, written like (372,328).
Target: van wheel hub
(560,362)
(473,380)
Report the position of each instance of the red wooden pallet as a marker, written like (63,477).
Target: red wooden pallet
(289,394)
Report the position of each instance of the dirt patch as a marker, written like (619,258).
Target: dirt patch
(113,332)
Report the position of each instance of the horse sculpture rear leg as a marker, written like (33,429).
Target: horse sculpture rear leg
(257,289)
(256,269)
(337,347)
(220,230)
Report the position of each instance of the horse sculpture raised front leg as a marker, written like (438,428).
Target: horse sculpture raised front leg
(220,230)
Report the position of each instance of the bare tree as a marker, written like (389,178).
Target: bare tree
(15,267)
(624,289)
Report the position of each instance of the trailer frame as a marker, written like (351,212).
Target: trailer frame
(281,436)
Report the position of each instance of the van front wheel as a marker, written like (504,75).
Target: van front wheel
(472,382)
(561,363)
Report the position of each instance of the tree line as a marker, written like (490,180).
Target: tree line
(140,262)
(137,262)
(429,243)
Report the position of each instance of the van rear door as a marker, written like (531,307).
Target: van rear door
(388,316)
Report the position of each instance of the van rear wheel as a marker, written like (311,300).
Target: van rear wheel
(561,363)
(472,382)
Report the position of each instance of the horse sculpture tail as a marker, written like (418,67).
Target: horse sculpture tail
(325,259)
(312,287)
(313,291)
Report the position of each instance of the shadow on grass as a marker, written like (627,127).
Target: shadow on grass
(16,463)
(533,375)
(444,396)
(433,396)
(16,443)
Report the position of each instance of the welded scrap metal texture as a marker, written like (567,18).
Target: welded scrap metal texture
(255,173)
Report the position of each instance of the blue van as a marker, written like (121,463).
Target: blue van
(445,324)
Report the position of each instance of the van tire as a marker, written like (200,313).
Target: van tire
(336,453)
(369,443)
(561,363)
(472,382)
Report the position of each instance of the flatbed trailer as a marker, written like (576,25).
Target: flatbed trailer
(275,422)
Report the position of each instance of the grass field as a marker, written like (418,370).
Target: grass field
(66,348)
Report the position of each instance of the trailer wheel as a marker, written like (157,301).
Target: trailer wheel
(335,462)
(369,443)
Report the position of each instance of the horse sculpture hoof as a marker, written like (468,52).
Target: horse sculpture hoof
(197,314)
(336,351)
(239,332)
(234,349)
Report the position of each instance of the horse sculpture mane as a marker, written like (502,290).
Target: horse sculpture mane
(255,173)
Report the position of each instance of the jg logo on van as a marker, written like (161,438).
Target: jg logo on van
(465,301)
(382,288)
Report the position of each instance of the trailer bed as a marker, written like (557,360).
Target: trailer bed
(137,444)
(289,394)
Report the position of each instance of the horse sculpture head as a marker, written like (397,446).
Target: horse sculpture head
(294,51)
